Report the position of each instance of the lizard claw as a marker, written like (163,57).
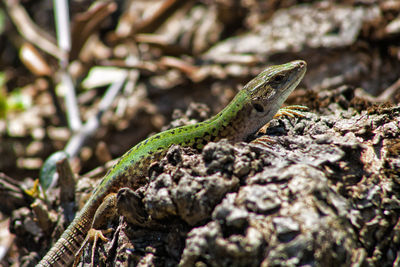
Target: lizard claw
(92,236)
(291,111)
(104,212)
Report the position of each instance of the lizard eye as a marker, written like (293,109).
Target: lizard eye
(258,107)
(278,78)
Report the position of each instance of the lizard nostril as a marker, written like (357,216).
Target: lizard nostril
(302,63)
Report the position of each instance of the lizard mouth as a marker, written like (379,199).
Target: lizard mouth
(299,68)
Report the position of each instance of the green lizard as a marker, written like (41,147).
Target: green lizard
(255,105)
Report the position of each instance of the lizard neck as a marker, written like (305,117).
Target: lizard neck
(236,121)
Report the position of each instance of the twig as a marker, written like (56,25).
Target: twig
(86,23)
(389,93)
(159,16)
(64,41)
(30,31)
(174,62)
(62,24)
(12,194)
(67,187)
(88,129)
(71,102)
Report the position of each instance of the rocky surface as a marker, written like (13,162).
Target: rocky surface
(324,192)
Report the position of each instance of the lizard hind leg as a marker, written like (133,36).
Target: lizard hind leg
(104,213)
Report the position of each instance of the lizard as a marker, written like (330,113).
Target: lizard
(258,102)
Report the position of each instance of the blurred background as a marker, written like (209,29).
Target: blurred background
(93,78)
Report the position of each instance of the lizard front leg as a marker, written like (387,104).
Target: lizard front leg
(290,111)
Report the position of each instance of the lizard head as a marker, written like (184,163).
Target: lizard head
(270,88)
(260,99)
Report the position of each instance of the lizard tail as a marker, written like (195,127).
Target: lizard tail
(63,251)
